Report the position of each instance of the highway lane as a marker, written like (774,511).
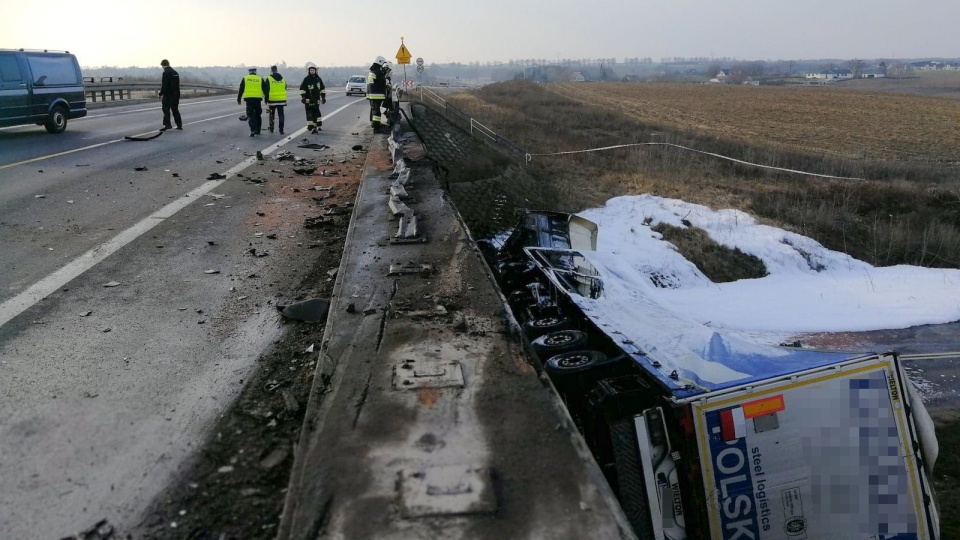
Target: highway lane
(56,208)
(104,391)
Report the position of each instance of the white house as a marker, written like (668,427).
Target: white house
(834,74)
(577,77)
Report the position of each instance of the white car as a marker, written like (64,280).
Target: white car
(357,84)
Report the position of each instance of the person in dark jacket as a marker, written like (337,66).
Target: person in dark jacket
(170,95)
(253,89)
(312,94)
(376,90)
(276,98)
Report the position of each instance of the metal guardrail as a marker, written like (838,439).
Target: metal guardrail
(475,128)
(119,89)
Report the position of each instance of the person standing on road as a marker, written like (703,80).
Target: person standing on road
(253,89)
(376,90)
(170,95)
(276,98)
(312,94)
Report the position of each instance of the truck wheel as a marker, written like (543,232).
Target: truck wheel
(631,488)
(557,342)
(57,120)
(534,328)
(574,361)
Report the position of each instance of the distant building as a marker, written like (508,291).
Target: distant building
(834,74)
(577,77)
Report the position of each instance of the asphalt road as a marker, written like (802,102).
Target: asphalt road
(105,390)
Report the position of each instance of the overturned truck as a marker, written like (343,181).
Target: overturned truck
(704,435)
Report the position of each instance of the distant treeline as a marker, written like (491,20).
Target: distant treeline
(542,69)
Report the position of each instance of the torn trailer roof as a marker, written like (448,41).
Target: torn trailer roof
(687,357)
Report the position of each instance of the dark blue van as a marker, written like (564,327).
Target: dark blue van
(40,87)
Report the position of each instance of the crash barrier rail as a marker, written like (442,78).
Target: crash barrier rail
(119,89)
(468,123)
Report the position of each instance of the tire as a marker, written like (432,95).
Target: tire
(57,120)
(558,342)
(574,362)
(631,488)
(535,328)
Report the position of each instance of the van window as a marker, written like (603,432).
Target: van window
(9,70)
(52,70)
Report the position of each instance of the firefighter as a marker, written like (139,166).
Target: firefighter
(388,95)
(376,90)
(312,94)
(253,88)
(276,98)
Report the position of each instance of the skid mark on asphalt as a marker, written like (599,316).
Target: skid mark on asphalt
(46,286)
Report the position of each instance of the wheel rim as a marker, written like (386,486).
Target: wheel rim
(573,361)
(59,119)
(562,339)
(550,321)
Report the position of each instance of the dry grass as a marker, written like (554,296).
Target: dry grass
(907,211)
(814,121)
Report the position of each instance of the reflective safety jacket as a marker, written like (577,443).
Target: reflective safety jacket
(312,89)
(253,87)
(376,83)
(278,90)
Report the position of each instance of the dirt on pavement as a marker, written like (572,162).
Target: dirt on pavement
(233,486)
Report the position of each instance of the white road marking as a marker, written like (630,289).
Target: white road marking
(92,146)
(46,286)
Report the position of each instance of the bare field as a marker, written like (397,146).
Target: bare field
(810,120)
(945,84)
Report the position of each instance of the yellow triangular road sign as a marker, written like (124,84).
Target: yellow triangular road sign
(403,55)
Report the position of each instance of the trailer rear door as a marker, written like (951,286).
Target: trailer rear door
(829,453)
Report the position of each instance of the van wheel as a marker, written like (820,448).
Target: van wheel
(57,121)
(537,327)
(574,361)
(557,342)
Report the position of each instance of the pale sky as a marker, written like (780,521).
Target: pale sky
(338,33)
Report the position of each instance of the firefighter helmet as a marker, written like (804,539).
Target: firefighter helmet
(380,60)
(311,65)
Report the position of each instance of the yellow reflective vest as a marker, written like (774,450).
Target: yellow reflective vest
(278,90)
(251,87)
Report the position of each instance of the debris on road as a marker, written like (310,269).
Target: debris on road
(259,155)
(130,138)
(112,284)
(39,196)
(306,171)
(313,310)
(216,176)
(275,457)
(313,146)
(140,168)
(211,271)
(319,221)
(86,313)
(357,147)
(102,530)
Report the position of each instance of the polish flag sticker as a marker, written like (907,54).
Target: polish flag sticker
(733,424)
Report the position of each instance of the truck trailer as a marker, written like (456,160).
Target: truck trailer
(702,434)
